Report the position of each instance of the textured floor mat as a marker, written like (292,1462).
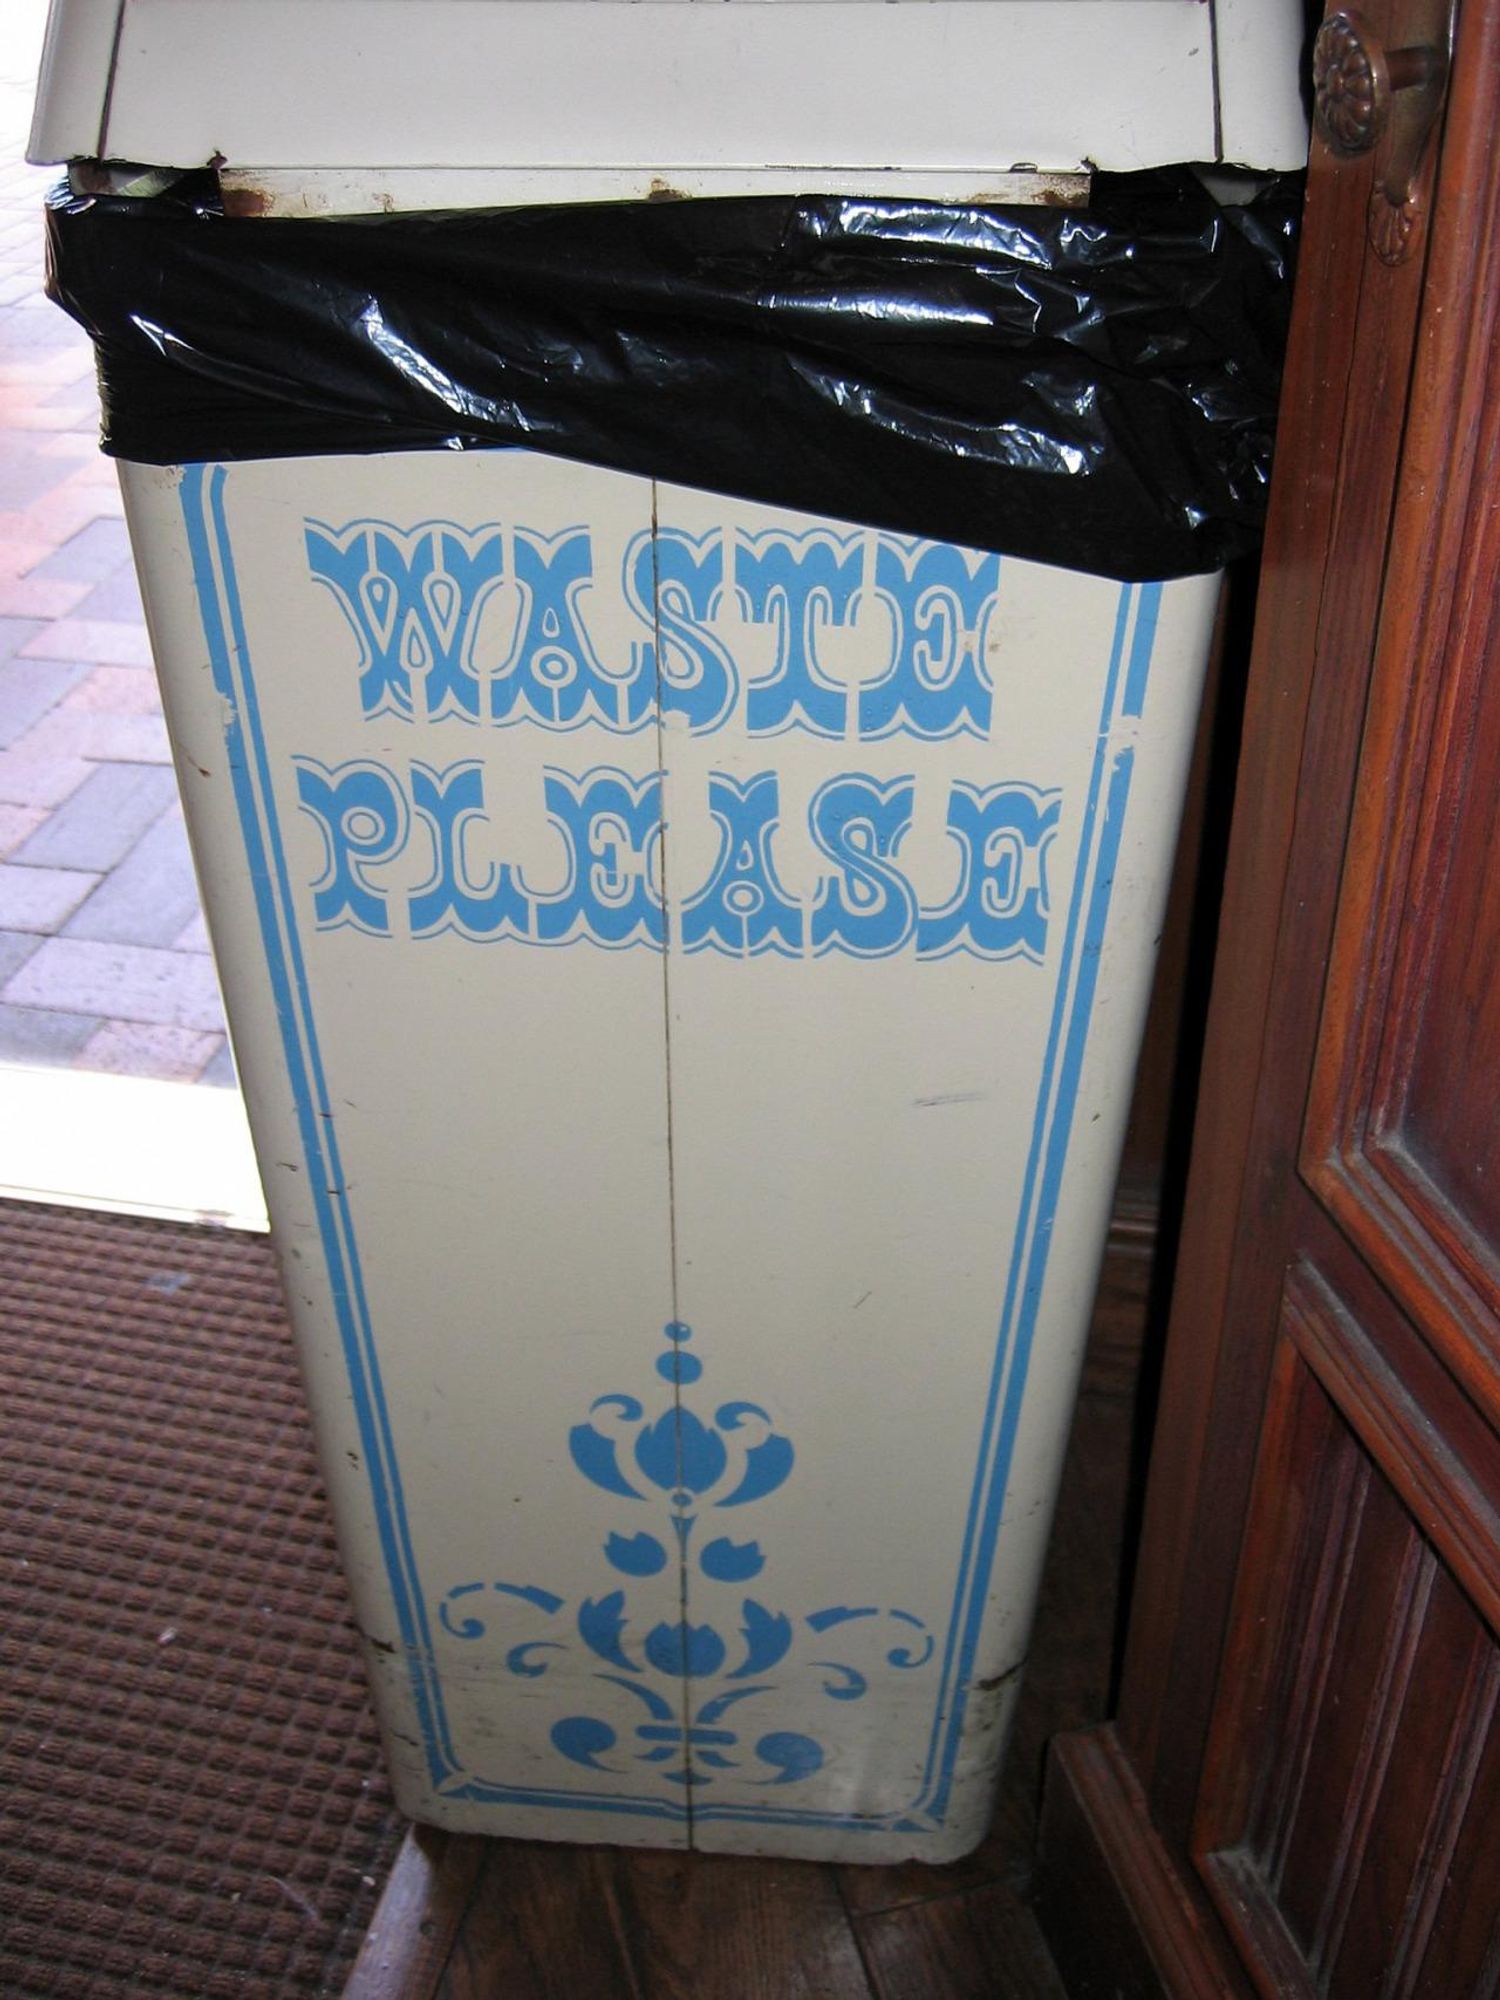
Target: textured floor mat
(191,1796)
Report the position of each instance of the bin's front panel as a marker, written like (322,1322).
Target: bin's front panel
(685,979)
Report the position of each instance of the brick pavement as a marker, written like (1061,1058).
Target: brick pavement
(103,956)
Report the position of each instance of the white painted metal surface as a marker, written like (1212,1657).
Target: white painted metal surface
(686,982)
(1259,49)
(596,93)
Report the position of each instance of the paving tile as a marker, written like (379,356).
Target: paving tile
(76,395)
(46,371)
(96,474)
(117,599)
(104,642)
(38,1035)
(115,691)
(103,819)
(29,779)
(39,597)
(40,899)
(40,326)
(91,555)
(18,823)
(61,513)
(45,417)
(104,736)
(52,520)
(150,898)
(194,937)
(219,1069)
(29,689)
(120,982)
(79,444)
(15,948)
(132,1048)
(25,478)
(18,554)
(15,632)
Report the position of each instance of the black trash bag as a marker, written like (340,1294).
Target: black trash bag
(1092,388)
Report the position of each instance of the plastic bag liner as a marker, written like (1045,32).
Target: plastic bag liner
(1092,388)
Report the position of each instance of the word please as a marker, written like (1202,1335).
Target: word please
(492,626)
(606,885)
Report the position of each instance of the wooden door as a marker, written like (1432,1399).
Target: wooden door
(1301,1792)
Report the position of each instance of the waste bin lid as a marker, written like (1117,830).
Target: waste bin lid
(575,99)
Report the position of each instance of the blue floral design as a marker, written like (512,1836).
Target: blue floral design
(676,1458)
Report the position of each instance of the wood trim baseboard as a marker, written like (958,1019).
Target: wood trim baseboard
(1134,1217)
(1121,1921)
(417,1919)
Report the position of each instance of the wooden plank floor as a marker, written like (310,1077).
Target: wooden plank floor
(469,1919)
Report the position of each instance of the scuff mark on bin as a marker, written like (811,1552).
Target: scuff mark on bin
(993,1683)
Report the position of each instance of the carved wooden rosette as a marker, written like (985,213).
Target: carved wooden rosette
(1365,97)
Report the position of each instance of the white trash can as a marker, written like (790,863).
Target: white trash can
(685,958)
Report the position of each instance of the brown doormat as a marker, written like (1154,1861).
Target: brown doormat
(191,1794)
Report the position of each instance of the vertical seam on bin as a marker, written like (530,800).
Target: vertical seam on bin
(1213,79)
(109,80)
(684,1693)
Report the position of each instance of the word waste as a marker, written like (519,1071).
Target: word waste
(736,633)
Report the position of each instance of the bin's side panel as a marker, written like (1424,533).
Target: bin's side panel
(414,718)
(916,862)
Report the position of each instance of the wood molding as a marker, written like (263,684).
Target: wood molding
(1302,1783)
(1352,341)
(1149,1931)
(1392,1129)
(1349,1785)
(1135,1218)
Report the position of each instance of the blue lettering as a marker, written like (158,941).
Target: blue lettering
(612,834)
(361,813)
(553,673)
(450,801)
(742,909)
(937,685)
(1000,907)
(867,908)
(798,584)
(675,581)
(413,599)
(612,827)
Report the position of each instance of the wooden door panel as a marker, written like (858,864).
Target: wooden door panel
(1302,1788)
(1349,1785)
(1402,1117)
(1322,580)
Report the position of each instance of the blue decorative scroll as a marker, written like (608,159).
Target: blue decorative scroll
(691,1678)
